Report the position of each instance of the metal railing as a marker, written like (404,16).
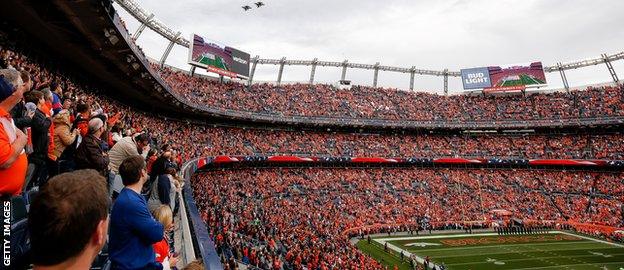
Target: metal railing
(198,244)
(277,118)
(147,20)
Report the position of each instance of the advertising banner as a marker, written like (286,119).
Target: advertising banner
(473,78)
(218,58)
(511,77)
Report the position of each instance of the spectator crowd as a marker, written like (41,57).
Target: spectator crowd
(93,177)
(392,104)
(56,129)
(294,218)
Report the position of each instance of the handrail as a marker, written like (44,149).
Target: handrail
(187,239)
(202,243)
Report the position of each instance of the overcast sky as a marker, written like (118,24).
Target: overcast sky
(428,34)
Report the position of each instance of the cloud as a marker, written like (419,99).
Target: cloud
(427,34)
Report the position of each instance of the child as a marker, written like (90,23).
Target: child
(164,215)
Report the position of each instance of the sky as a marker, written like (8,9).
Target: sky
(427,34)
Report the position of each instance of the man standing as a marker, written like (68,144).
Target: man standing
(57,93)
(124,148)
(133,229)
(13,161)
(89,154)
(40,135)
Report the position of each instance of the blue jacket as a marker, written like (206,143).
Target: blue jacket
(132,232)
(56,103)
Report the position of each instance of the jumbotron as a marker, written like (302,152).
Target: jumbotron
(112,159)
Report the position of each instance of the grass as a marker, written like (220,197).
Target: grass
(524,80)
(464,252)
(389,259)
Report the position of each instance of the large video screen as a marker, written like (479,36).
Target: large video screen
(504,77)
(218,58)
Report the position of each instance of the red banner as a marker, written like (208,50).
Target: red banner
(222,72)
(504,89)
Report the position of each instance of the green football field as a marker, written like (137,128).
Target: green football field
(524,80)
(554,250)
(217,62)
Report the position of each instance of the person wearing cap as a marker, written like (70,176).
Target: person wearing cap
(89,154)
(13,161)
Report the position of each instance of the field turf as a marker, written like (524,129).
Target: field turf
(553,250)
(524,80)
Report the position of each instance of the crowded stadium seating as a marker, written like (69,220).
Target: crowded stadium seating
(194,140)
(393,104)
(296,217)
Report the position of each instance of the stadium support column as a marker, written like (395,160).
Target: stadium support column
(168,50)
(314,62)
(344,70)
(446,81)
(412,74)
(375,74)
(142,27)
(254,62)
(281,70)
(610,68)
(564,78)
(192,71)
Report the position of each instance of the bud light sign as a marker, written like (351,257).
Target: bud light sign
(474,78)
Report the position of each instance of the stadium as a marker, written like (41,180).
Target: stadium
(114,158)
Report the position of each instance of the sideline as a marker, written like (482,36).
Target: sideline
(592,239)
(421,260)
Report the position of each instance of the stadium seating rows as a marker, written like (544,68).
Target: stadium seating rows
(296,217)
(392,104)
(194,141)
(592,197)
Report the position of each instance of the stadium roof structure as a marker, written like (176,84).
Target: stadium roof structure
(147,20)
(90,36)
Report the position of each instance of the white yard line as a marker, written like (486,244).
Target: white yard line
(437,236)
(566,265)
(592,239)
(528,259)
(421,260)
(514,245)
(407,253)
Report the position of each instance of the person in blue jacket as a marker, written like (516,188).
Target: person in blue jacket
(133,230)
